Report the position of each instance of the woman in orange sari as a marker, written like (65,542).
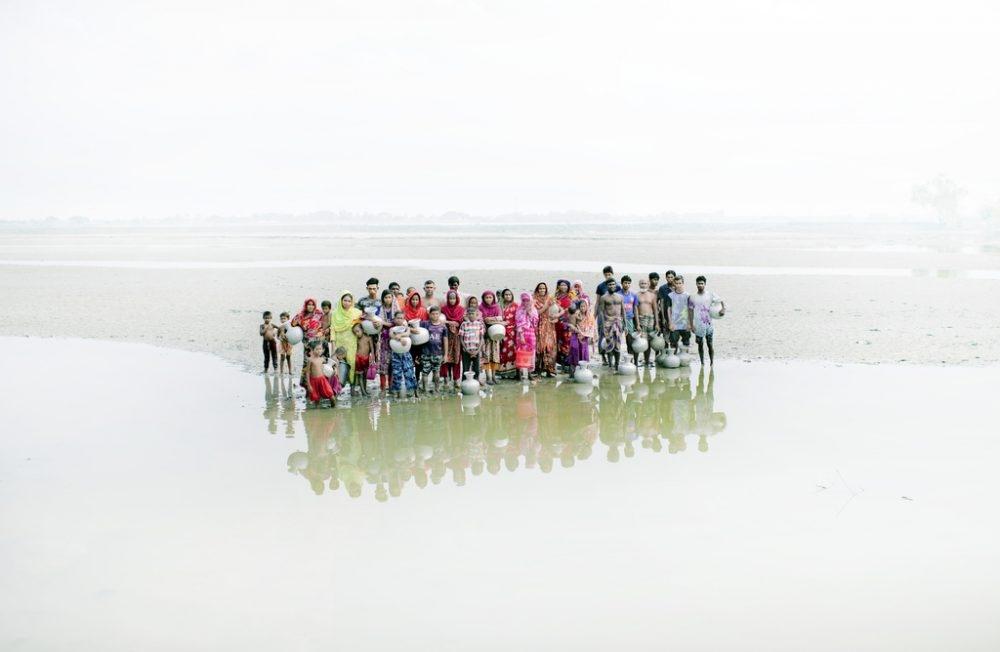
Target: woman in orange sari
(564,297)
(508,348)
(545,342)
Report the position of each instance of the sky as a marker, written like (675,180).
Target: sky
(782,108)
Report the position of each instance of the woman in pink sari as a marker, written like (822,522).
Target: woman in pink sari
(310,320)
(547,318)
(489,312)
(526,324)
(454,314)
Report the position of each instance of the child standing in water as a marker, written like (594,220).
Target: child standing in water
(286,348)
(362,359)
(402,363)
(491,315)
(471,332)
(433,355)
(269,339)
(319,386)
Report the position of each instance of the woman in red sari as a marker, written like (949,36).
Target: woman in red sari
(508,348)
(546,345)
(453,313)
(564,297)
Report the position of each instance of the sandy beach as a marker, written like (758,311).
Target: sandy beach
(841,294)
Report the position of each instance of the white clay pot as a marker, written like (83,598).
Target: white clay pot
(661,360)
(685,358)
(294,335)
(672,361)
(583,375)
(370,326)
(716,310)
(657,343)
(327,370)
(627,369)
(639,344)
(400,345)
(496,332)
(470,386)
(422,336)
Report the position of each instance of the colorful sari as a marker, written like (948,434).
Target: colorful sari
(564,299)
(454,314)
(526,322)
(490,313)
(546,345)
(342,330)
(508,348)
(386,314)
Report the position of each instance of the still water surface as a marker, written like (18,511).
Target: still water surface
(154,499)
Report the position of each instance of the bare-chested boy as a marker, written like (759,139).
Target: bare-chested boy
(647,315)
(611,309)
(319,385)
(269,337)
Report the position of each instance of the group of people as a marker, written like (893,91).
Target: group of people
(493,334)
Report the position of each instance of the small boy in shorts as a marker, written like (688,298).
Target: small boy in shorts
(362,359)
(269,339)
(319,385)
(285,346)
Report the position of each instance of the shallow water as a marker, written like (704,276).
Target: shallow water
(155,499)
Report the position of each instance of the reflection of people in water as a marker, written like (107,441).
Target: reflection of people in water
(388,448)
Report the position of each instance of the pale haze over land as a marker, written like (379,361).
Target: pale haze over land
(793,109)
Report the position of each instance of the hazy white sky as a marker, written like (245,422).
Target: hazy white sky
(789,107)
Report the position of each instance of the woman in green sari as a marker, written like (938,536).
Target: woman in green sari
(342,322)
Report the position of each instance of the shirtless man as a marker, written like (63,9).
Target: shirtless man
(611,309)
(429,299)
(647,315)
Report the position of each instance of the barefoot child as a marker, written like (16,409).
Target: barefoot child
(319,386)
(341,368)
(269,336)
(433,356)
(402,363)
(472,332)
(286,348)
(362,359)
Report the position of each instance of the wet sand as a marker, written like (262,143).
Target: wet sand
(846,294)
(169,501)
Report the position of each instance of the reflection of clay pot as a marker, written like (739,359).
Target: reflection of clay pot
(496,332)
(298,461)
(470,402)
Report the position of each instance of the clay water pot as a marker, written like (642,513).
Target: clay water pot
(294,335)
(401,345)
(657,343)
(639,344)
(672,360)
(496,332)
(422,336)
(470,386)
(370,326)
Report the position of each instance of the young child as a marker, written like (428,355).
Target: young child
(471,332)
(402,363)
(286,347)
(362,359)
(269,340)
(319,386)
(341,369)
(433,355)
(325,306)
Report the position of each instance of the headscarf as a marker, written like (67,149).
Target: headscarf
(452,312)
(587,325)
(526,315)
(412,313)
(491,310)
(343,320)
(310,322)
(578,291)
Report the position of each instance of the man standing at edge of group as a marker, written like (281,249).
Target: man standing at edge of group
(611,307)
(629,301)
(701,304)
